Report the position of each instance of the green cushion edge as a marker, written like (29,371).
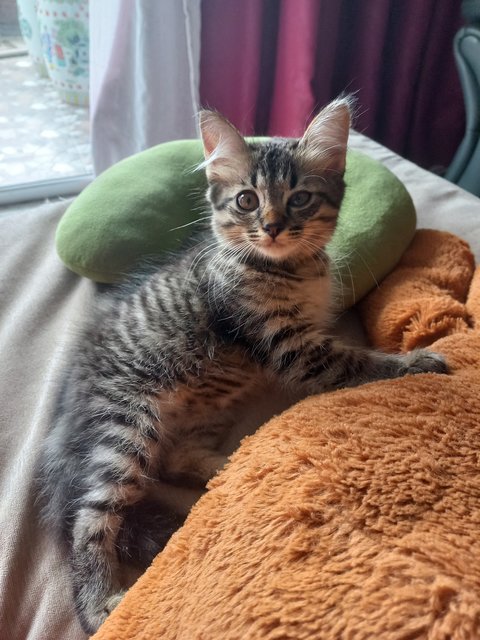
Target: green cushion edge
(101,196)
(361,272)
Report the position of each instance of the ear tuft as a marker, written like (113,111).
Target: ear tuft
(227,156)
(324,143)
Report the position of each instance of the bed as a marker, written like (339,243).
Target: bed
(41,307)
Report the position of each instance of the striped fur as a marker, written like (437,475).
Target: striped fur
(167,364)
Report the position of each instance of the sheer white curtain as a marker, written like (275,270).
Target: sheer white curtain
(144,75)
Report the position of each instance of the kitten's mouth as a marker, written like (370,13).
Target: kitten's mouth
(278,247)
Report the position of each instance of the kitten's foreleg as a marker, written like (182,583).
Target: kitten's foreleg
(329,364)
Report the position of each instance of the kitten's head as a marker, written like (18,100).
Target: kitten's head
(277,199)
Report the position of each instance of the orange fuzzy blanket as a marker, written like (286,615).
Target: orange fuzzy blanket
(355,514)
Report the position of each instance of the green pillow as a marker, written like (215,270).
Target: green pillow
(143,205)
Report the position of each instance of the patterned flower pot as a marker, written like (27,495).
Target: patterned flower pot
(64,35)
(27,19)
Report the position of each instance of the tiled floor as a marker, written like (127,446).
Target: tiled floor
(41,137)
(11,45)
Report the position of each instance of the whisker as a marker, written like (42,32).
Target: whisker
(188,224)
(367,267)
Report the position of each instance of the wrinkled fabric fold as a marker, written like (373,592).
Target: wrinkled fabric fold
(144,71)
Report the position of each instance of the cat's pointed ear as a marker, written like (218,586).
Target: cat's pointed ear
(227,156)
(324,143)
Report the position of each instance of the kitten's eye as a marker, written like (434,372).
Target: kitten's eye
(299,199)
(247,200)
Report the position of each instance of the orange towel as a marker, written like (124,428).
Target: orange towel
(423,299)
(354,514)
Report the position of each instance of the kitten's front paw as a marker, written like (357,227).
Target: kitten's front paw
(423,361)
(95,613)
(113,601)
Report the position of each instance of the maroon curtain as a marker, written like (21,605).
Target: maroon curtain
(268,65)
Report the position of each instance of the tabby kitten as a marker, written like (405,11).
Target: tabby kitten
(165,366)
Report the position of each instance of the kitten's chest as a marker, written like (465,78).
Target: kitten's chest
(292,299)
(313,296)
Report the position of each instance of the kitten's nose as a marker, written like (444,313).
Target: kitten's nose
(273,228)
